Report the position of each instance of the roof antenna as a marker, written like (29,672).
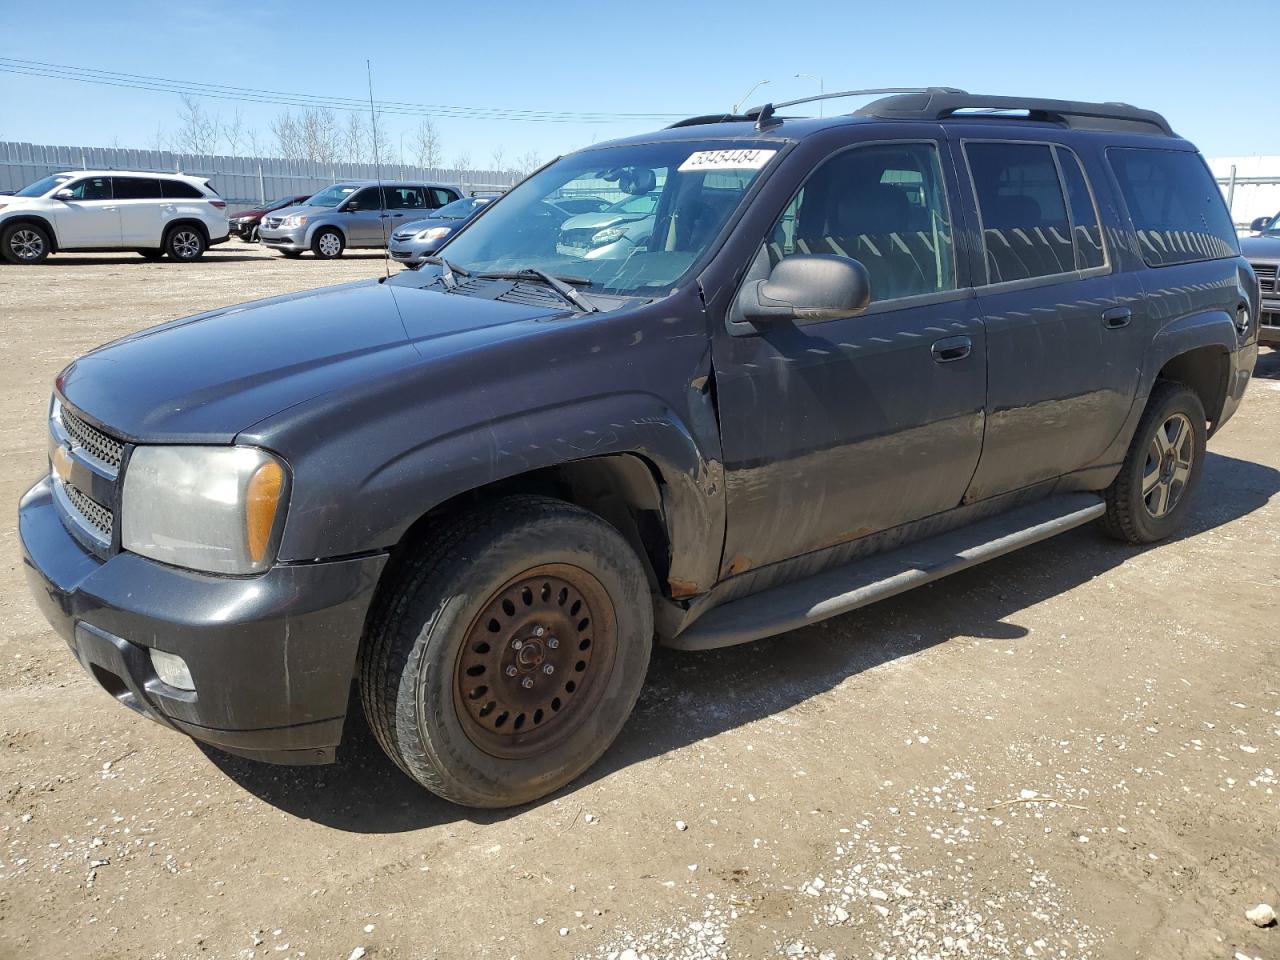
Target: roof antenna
(377,172)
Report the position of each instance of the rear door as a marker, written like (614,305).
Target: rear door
(141,215)
(405,204)
(90,218)
(1063,351)
(834,430)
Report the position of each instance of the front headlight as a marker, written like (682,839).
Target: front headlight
(434,233)
(216,509)
(294,221)
(607,235)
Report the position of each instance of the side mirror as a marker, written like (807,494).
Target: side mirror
(808,287)
(64,194)
(1260,224)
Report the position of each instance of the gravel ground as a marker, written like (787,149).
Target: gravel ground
(1071,752)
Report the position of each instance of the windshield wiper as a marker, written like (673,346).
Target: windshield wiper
(447,271)
(561,285)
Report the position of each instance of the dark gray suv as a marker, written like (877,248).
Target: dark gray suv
(351,215)
(853,355)
(1263,253)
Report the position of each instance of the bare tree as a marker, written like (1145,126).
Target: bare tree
(498,159)
(527,162)
(198,130)
(426,144)
(233,132)
(288,142)
(161,139)
(379,141)
(462,161)
(311,134)
(354,137)
(253,141)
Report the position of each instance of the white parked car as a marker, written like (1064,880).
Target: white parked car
(152,213)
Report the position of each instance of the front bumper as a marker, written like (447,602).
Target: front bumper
(294,239)
(243,231)
(1269,325)
(272,657)
(413,251)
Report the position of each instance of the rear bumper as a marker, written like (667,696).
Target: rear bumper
(271,657)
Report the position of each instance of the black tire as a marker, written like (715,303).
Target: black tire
(328,244)
(185,243)
(152,254)
(1149,499)
(253,234)
(291,254)
(25,243)
(430,621)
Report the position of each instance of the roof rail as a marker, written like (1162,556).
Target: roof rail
(939,104)
(709,118)
(873,92)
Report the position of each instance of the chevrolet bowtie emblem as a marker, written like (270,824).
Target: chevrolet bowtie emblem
(60,461)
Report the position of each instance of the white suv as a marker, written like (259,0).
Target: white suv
(152,213)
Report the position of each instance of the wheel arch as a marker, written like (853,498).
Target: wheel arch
(173,225)
(1196,351)
(33,218)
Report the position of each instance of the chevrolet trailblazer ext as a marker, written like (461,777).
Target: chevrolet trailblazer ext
(855,354)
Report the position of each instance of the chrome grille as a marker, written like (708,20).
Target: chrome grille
(91,512)
(1266,277)
(272,222)
(92,440)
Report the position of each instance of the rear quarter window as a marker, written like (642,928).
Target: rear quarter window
(1175,204)
(180,190)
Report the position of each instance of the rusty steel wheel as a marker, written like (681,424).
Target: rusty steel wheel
(532,661)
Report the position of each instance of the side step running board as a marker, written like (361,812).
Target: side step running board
(880,576)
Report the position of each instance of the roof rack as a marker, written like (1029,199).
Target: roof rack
(940,103)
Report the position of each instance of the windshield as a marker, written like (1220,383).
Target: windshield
(1272,228)
(332,196)
(459,208)
(41,187)
(284,202)
(685,192)
(646,204)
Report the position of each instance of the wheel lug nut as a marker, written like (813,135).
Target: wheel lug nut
(517,644)
(527,683)
(539,631)
(552,643)
(548,669)
(511,671)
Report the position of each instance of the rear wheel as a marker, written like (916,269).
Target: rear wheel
(185,243)
(505,655)
(1150,497)
(25,243)
(327,244)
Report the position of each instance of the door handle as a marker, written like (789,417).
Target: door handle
(951,349)
(1116,317)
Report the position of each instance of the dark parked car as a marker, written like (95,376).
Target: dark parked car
(245,223)
(416,241)
(856,354)
(1263,253)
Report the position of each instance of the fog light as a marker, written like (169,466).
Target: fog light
(172,669)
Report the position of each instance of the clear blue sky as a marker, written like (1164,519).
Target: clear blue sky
(1182,57)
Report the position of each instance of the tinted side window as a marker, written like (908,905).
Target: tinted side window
(404,198)
(440,197)
(1084,215)
(367,199)
(1025,229)
(883,205)
(1175,205)
(136,188)
(180,190)
(92,188)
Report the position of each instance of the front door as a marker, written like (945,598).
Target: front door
(1064,340)
(834,430)
(364,219)
(90,217)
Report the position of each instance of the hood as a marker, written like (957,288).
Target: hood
(302,208)
(428,223)
(209,377)
(1264,248)
(598,221)
(8,202)
(257,213)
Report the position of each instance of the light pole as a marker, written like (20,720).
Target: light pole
(821,90)
(743,98)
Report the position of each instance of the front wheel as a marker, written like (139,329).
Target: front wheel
(25,243)
(327,244)
(505,655)
(185,244)
(1150,497)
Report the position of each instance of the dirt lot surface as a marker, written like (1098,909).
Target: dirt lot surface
(877,786)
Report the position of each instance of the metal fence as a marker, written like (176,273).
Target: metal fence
(243,181)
